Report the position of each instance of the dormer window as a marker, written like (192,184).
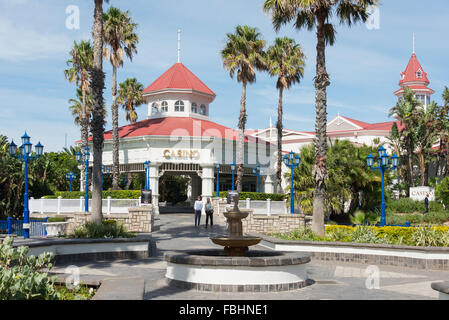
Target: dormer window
(419,74)
(154,108)
(164,106)
(194,108)
(179,106)
(402,76)
(203,110)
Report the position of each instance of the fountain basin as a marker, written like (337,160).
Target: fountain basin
(257,271)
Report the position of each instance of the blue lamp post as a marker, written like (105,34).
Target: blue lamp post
(86,163)
(257,170)
(382,166)
(25,155)
(292,161)
(218,180)
(233,172)
(146,165)
(70,176)
(103,172)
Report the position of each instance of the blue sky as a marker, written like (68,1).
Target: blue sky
(364,65)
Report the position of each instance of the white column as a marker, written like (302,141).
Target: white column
(269,184)
(268,207)
(154,186)
(59,205)
(42,205)
(81,204)
(248,203)
(207,180)
(31,204)
(109,206)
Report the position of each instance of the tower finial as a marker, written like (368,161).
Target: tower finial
(179,45)
(413,43)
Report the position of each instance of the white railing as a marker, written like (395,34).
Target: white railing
(266,207)
(77,205)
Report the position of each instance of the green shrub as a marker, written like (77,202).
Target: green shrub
(407,205)
(106,229)
(360,217)
(57,219)
(21,277)
(442,191)
(256,196)
(429,237)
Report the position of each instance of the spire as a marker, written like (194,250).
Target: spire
(179,45)
(413,43)
(271,123)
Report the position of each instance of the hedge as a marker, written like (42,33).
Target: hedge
(407,205)
(256,196)
(114,194)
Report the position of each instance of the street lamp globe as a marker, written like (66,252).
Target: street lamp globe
(86,154)
(78,157)
(39,149)
(382,151)
(12,148)
(25,139)
(370,160)
(286,160)
(27,147)
(22,150)
(395,161)
(297,160)
(385,159)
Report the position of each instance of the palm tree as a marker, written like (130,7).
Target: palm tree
(80,63)
(285,59)
(426,136)
(97,118)
(130,97)
(121,40)
(244,54)
(308,14)
(406,110)
(443,128)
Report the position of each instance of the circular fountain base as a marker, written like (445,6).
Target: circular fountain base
(257,271)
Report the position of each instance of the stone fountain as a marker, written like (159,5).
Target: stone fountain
(236,269)
(236,244)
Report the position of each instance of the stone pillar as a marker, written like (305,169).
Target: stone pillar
(269,184)
(154,185)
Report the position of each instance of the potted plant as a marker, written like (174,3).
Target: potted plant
(56,226)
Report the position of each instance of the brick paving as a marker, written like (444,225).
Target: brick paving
(333,280)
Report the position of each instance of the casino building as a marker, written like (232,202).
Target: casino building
(179,138)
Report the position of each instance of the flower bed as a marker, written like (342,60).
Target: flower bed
(419,236)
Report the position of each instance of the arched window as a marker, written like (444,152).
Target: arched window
(154,108)
(203,110)
(164,107)
(179,106)
(194,108)
(419,74)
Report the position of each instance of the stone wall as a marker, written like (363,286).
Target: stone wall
(283,223)
(140,219)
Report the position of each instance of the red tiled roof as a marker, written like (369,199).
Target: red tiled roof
(356,122)
(411,70)
(179,126)
(178,77)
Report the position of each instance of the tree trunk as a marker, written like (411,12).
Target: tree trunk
(279,128)
(84,139)
(97,122)
(422,165)
(319,169)
(410,164)
(241,142)
(115,137)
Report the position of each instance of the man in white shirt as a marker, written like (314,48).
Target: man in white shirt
(198,207)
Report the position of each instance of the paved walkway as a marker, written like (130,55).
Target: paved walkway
(333,280)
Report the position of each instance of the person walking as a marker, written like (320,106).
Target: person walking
(198,207)
(209,213)
(426,203)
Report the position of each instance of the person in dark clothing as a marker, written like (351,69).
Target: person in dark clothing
(209,213)
(426,203)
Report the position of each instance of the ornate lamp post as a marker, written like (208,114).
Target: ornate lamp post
(233,172)
(146,165)
(25,155)
(86,163)
(103,172)
(257,170)
(70,176)
(292,161)
(217,165)
(382,166)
